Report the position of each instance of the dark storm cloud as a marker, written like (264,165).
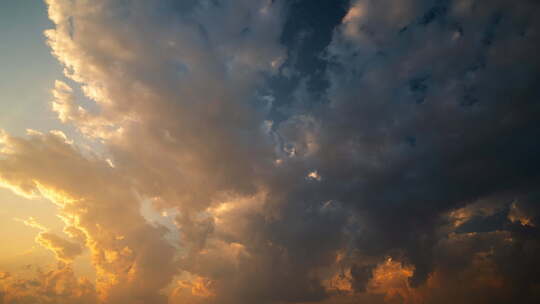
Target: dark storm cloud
(425,114)
(312,151)
(432,105)
(306,34)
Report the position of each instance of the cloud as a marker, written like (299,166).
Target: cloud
(58,285)
(31,222)
(384,155)
(125,248)
(63,249)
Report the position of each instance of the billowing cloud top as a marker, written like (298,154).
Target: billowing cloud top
(258,151)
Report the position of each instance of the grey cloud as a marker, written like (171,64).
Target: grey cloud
(397,159)
(416,128)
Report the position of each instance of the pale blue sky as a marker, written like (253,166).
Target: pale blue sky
(27,69)
(27,75)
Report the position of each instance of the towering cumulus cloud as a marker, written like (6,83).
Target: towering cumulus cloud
(260,151)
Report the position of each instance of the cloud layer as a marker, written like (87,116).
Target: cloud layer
(386,154)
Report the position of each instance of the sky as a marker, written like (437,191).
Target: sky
(269,151)
(28,72)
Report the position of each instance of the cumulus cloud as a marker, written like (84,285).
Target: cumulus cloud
(58,285)
(386,154)
(63,249)
(131,259)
